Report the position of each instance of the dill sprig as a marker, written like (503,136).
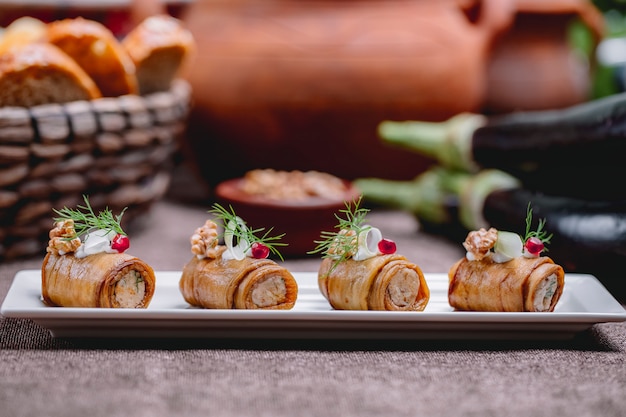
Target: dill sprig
(341,245)
(86,220)
(248,234)
(540,233)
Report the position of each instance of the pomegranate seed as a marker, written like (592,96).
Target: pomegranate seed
(387,246)
(260,251)
(120,243)
(534,245)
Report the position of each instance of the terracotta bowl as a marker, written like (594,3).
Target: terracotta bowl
(302,221)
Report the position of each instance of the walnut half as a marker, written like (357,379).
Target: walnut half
(63,238)
(345,243)
(479,242)
(204,241)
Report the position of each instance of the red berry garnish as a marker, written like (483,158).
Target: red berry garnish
(534,245)
(387,246)
(120,243)
(259,250)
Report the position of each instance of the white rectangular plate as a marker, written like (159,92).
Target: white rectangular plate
(584,303)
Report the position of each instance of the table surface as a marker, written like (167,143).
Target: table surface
(40,375)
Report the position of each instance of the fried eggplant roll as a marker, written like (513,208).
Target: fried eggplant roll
(113,280)
(238,284)
(386,282)
(521,284)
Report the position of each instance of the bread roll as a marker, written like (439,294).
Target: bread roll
(158,47)
(105,280)
(253,284)
(521,284)
(39,73)
(98,52)
(21,32)
(385,283)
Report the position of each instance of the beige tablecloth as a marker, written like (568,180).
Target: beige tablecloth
(42,376)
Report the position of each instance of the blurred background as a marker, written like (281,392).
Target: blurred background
(304,85)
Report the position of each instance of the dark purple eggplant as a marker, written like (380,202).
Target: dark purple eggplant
(573,151)
(588,236)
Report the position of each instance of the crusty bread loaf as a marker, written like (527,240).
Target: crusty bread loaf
(40,73)
(158,47)
(94,47)
(22,31)
(80,59)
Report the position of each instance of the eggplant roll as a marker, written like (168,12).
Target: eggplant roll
(521,284)
(100,280)
(232,284)
(386,282)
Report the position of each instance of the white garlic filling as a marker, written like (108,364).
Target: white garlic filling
(269,292)
(403,288)
(130,290)
(545,292)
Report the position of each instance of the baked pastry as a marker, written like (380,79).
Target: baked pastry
(503,273)
(361,271)
(235,276)
(94,47)
(40,73)
(158,47)
(85,264)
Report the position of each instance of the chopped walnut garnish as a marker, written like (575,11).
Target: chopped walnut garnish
(343,245)
(63,238)
(204,241)
(479,242)
(292,185)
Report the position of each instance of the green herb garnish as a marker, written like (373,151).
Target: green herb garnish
(343,244)
(245,233)
(85,219)
(540,233)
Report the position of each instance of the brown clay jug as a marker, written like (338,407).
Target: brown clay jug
(532,65)
(303,84)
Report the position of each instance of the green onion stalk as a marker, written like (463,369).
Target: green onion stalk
(448,142)
(428,196)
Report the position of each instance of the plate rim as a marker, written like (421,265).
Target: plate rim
(62,320)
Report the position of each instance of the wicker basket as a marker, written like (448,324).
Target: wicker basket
(118,151)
